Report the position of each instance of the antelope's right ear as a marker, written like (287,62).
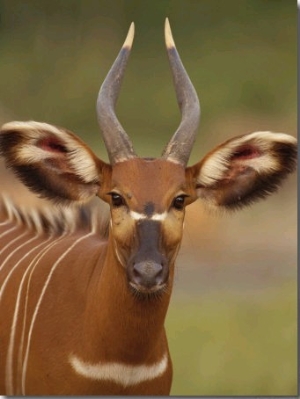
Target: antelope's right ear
(51,161)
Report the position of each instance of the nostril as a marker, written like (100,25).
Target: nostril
(137,271)
(148,273)
(147,268)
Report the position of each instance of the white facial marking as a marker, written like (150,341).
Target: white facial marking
(159,216)
(155,216)
(119,373)
(137,216)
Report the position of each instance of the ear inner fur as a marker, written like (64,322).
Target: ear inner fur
(245,169)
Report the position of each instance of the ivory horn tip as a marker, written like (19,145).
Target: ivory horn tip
(168,35)
(129,38)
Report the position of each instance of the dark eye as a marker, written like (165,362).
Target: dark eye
(178,202)
(117,200)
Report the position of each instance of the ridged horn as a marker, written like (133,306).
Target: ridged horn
(180,146)
(117,142)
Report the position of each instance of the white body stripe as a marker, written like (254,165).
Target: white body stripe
(119,373)
(3,224)
(16,265)
(30,269)
(9,359)
(5,233)
(39,303)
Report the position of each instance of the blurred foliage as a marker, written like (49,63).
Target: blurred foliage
(235,345)
(240,54)
(241,57)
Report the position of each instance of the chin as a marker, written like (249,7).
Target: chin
(142,292)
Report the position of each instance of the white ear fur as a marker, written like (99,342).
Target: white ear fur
(77,152)
(218,162)
(50,160)
(245,168)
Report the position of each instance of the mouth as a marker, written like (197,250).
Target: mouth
(141,291)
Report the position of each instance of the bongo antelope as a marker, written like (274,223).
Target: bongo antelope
(83,302)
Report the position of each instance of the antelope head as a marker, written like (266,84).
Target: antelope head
(147,196)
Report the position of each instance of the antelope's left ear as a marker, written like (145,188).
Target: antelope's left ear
(244,169)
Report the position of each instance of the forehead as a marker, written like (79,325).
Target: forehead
(145,180)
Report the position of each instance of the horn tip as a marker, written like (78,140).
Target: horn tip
(129,38)
(168,35)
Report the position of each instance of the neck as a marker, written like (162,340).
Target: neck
(121,326)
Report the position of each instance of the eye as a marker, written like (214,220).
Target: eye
(178,202)
(117,200)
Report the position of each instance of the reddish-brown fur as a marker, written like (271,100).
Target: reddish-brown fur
(83,311)
(67,290)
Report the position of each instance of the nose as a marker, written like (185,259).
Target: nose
(148,274)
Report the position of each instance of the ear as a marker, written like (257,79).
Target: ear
(51,161)
(245,169)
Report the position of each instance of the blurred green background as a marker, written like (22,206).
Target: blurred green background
(232,323)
